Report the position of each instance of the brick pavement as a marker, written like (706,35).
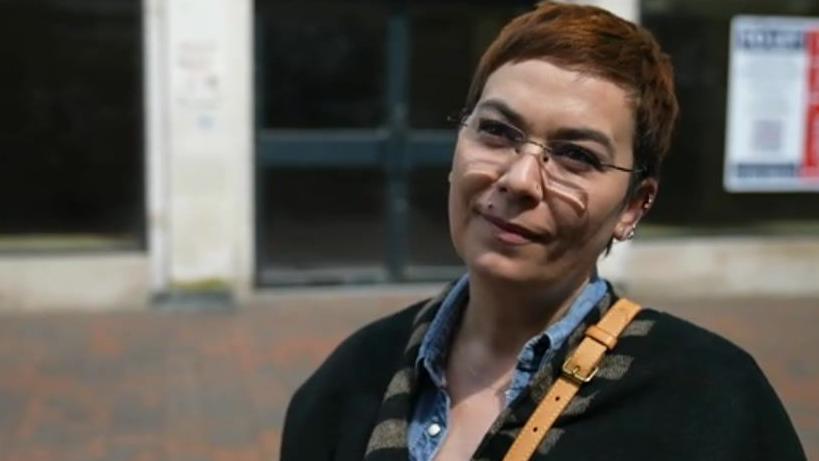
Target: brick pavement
(213,386)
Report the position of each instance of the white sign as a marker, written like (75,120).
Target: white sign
(197,53)
(772,134)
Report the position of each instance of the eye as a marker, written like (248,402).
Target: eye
(497,132)
(575,157)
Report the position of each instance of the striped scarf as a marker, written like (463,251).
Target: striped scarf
(388,441)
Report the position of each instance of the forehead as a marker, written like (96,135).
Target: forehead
(550,98)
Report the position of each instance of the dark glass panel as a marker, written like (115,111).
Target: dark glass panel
(430,244)
(321,225)
(71,151)
(321,64)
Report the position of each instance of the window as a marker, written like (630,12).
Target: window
(71,155)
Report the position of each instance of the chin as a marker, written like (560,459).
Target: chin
(506,269)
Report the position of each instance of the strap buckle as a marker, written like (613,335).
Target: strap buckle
(572,371)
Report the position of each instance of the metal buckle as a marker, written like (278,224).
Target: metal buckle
(574,373)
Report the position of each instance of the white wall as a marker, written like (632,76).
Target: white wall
(724,266)
(79,282)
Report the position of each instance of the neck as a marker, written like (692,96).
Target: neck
(504,316)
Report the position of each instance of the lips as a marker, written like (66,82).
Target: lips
(512,228)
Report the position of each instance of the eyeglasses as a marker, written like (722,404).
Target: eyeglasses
(569,158)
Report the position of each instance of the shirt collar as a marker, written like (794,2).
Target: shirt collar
(557,333)
(435,345)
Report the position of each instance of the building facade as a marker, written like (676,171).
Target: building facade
(163,151)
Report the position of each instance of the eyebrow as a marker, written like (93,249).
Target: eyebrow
(504,109)
(585,134)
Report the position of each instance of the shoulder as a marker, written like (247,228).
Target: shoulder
(337,403)
(708,382)
(376,345)
(676,346)
(685,340)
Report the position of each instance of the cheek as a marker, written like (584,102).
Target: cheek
(456,222)
(565,217)
(471,176)
(473,173)
(595,223)
(603,215)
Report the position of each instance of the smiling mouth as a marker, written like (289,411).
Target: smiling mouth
(518,233)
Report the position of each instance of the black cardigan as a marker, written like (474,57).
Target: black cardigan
(688,395)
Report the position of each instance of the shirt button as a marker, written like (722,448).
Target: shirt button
(434,429)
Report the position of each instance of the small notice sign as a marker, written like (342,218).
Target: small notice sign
(772,133)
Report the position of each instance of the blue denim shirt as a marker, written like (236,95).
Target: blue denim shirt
(428,426)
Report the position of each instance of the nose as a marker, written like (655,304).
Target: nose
(524,177)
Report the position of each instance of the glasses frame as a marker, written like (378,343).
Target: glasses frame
(460,119)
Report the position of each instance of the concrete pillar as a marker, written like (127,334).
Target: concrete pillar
(200,154)
(626,9)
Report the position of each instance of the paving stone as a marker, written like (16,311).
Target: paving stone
(213,386)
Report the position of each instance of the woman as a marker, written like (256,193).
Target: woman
(558,154)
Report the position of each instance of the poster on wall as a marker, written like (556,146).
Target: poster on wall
(772,133)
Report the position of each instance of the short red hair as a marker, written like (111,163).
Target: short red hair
(594,41)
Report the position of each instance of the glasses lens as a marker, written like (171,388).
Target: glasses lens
(575,159)
(564,186)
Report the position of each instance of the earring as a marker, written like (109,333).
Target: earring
(629,235)
(647,204)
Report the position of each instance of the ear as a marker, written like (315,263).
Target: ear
(637,205)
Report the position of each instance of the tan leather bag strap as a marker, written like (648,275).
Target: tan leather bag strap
(578,369)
